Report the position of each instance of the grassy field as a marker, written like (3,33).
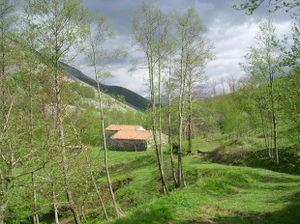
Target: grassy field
(225,194)
(216,193)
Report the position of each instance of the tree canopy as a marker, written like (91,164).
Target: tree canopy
(274,5)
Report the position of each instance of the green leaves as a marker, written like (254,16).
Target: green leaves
(273,5)
(58,26)
(263,62)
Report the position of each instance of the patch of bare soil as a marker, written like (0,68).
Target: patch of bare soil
(66,221)
(227,216)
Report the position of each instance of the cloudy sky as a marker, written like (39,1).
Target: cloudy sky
(230,31)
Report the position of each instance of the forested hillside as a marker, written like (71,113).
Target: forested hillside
(232,157)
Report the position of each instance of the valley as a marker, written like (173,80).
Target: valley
(74,150)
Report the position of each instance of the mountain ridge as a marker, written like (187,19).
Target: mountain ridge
(133,99)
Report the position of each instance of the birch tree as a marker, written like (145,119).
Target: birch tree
(273,5)
(58,26)
(96,55)
(148,29)
(193,53)
(8,161)
(291,104)
(17,147)
(264,63)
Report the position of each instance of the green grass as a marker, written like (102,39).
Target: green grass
(225,194)
(215,193)
(205,145)
(133,175)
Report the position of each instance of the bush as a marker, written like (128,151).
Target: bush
(289,160)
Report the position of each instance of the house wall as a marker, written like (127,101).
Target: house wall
(108,134)
(128,145)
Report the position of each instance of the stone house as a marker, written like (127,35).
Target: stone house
(128,137)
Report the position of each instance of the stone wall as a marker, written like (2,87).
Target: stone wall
(128,145)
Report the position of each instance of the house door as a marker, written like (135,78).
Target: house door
(126,146)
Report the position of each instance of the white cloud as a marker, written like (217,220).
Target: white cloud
(231,43)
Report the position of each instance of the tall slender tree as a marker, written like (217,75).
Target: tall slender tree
(170,90)
(58,26)
(99,32)
(149,30)
(193,53)
(264,63)
(291,105)
(7,157)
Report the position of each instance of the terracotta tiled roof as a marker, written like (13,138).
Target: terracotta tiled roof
(115,127)
(132,134)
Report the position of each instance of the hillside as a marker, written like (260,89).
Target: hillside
(230,177)
(132,98)
(223,194)
(216,193)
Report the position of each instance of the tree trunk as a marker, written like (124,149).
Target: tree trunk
(274,121)
(275,137)
(31,140)
(161,159)
(3,207)
(99,197)
(147,28)
(102,123)
(154,126)
(181,180)
(159,113)
(61,134)
(160,166)
(182,85)
(97,190)
(3,204)
(54,203)
(180,163)
(170,132)
(190,111)
(35,207)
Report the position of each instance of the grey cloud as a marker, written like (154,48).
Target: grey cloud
(231,32)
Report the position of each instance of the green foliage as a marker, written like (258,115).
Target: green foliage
(184,146)
(19,209)
(89,128)
(234,114)
(83,91)
(289,160)
(246,112)
(29,139)
(289,103)
(245,154)
(273,5)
